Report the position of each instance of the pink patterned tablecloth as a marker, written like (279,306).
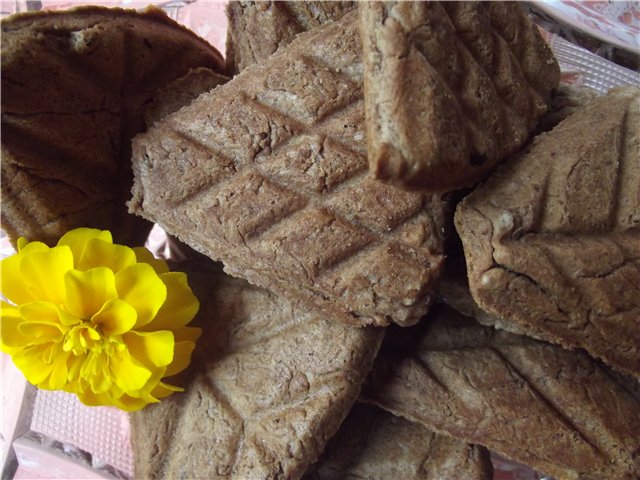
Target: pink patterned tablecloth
(98,438)
(615,23)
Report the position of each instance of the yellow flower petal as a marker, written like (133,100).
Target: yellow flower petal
(101,382)
(181,357)
(94,363)
(180,306)
(143,255)
(36,273)
(39,311)
(140,287)
(32,247)
(98,253)
(78,238)
(40,332)
(75,367)
(59,372)
(187,334)
(11,339)
(83,386)
(131,404)
(44,271)
(30,362)
(87,292)
(145,391)
(66,318)
(71,387)
(92,399)
(11,282)
(164,390)
(40,322)
(115,396)
(115,317)
(21,243)
(127,373)
(152,349)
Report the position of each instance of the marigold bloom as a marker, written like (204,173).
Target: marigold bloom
(101,320)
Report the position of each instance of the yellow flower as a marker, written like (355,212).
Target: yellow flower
(100,320)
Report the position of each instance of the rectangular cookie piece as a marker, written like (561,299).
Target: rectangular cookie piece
(268,174)
(450,89)
(557,411)
(552,240)
(377,445)
(270,382)
(258,29)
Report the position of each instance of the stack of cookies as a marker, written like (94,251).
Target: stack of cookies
(411,277)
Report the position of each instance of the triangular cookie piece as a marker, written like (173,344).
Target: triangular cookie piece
(552,240)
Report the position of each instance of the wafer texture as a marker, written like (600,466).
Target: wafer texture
(274,182)
(73,86)
(552,240)
(269,384)
(451,88)
(258,29)
(558,411)
(377,445)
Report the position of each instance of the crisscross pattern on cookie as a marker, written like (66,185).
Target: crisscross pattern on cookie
(268,173)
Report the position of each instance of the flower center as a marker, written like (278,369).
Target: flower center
(82,338)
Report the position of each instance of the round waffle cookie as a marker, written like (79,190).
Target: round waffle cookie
(74,85)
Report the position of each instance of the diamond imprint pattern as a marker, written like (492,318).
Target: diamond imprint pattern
(296,195)
(257,192)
